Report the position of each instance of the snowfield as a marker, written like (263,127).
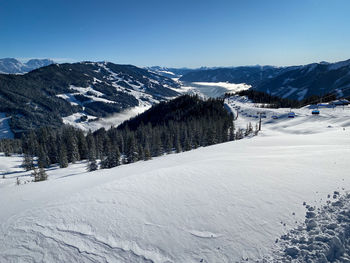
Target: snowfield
(224,203)
(213,89)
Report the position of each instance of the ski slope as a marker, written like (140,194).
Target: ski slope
(5,130)
(223,203)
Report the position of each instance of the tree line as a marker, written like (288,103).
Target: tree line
(278,102)
(182,124)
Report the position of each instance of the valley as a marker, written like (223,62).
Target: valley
(175,131)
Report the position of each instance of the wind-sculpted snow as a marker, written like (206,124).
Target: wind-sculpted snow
(224,203)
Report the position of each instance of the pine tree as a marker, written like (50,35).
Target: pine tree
(140,152)
(8,149)
(92,165)
(116,156)
(52,148)
(232,133)
(211,136)
(28,162)
(178,147)
(91,144)
(157,147)
(147,152)
(75,156)
(131,154)
(187,144)
(82,146)
(35,174)
(42,176)
(239,134)
(249,129)
(63,160)
(43,158)
(113,158)
(104,164)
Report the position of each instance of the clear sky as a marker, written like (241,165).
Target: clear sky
(177,33)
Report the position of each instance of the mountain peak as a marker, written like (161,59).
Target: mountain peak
(14,66)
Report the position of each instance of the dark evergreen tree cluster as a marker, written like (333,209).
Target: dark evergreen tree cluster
(51,146)
(278,102)
(39,175)
(32,102)
(10,146)
(182,124)
(265,98)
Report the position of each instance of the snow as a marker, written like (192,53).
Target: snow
(223,203)
(83,90)
(167,72)
(145,101)
(289,92)
(107,122)
(70,98)
(5,130)
(328,226)
(302,93)
(303,123)
(214,89)
(338,65)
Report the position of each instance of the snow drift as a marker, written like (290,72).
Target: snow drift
(223,203)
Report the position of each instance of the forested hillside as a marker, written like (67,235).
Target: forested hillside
(43,96)
(270,101)
(292,82)
(253,75)
(182,124)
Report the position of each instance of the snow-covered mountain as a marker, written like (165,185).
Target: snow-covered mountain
(295,82)
(79,93)
(313,79)
(169,72)
(270,198)
(14,66)
(251,75)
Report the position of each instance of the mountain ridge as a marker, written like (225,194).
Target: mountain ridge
(90,89)
(14,66)
(292,82)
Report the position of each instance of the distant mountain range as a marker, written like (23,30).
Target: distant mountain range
(251,75)
(294,82)
(45,95)
(84,91)
(14,66)
(313,79)
(170,72)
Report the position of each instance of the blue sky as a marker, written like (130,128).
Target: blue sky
(177,33)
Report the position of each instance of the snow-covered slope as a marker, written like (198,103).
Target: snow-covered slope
(212,89)
(314,79)
(79,93)
(170,72)
(5,131)
(223,203)
(292,82)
